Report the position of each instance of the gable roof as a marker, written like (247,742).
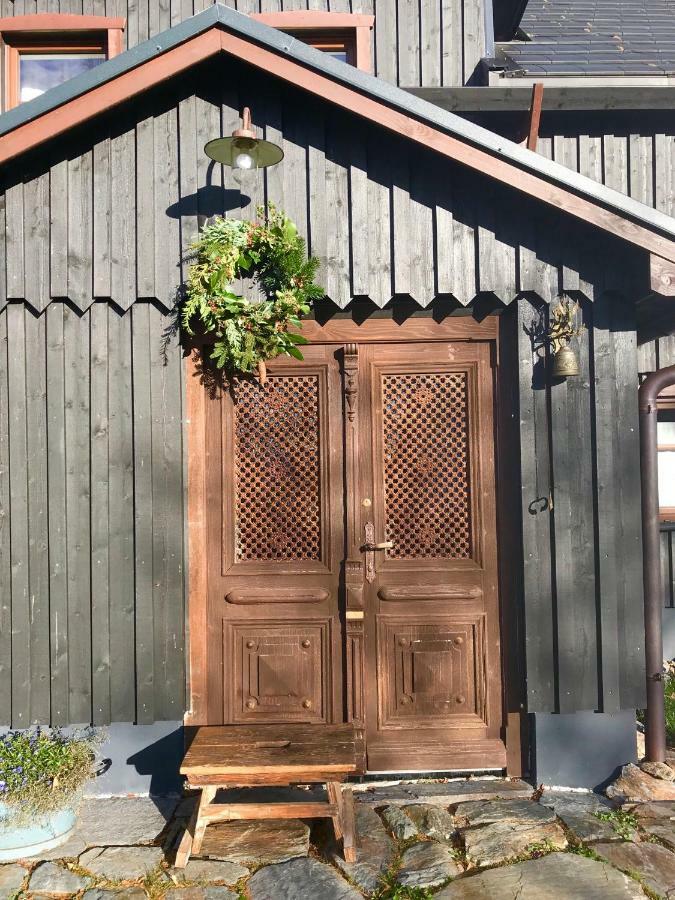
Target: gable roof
(595,38)
(221,29)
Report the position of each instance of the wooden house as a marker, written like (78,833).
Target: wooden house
(172,554)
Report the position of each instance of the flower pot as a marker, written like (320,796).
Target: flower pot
(45,832)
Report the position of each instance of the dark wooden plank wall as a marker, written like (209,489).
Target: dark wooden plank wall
(415,44)
(88,390)
(91,489)
(383,224)
(580,490)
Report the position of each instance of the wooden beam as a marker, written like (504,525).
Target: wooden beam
(535,115)
(662,275)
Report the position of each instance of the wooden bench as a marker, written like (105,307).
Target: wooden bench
(221,756)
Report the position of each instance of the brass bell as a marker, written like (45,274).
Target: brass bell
(565,363)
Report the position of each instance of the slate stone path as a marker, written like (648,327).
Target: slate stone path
(473,839)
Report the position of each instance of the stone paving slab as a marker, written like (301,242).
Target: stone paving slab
(664,833)
(579,811)
(300,879)
(11,878)
(432,821)
(427,865)
(211,870)
(123,820)
(50,879)
(655,865)
(258,843)
(442,793)
(558,876)
(663,810)
(122,863)
(517,812)
(401,825)
(501,841)
(374,853)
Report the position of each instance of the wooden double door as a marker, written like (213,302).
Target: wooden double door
(351,551)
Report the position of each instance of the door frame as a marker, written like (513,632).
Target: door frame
(340,330)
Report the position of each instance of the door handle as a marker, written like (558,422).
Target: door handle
(369,547)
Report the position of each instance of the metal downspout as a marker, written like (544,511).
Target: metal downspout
(651,387)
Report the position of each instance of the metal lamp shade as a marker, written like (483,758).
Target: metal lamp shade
(225,150)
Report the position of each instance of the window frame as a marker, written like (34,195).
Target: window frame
(54,33)
(313,26)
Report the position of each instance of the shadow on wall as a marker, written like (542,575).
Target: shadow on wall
(144,760)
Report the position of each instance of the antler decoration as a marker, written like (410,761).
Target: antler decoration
(564,324)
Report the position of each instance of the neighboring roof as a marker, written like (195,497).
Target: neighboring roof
(221,29)
(595,38)
(516,96)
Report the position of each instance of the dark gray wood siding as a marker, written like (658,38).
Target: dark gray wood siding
(92,231)
(91,516)
(430,43)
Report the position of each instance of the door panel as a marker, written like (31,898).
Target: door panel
(276,544)
(359,444)
(431,605)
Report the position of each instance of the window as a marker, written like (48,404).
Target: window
(346,36)
(666,448)
(44,50)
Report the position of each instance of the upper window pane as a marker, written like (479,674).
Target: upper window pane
(40,71)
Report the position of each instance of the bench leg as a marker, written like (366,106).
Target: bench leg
(195,826)
(335,797)
(348,825)
(208,793)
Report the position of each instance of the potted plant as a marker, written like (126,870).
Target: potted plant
(42,773)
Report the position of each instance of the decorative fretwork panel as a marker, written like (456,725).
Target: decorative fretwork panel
(426,465)
(277,469)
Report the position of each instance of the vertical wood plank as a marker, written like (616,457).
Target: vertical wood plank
(401,219)
(145,208)
(36,240)
(358,201)
(58,229)
(123,219)
(14,242)
(58,552)
(337,278)
(78,517)
(166,195)
(422,273)
(430,42)
(143,513)
(167,523)
(18,522)
(453,50)
(101,572)
(381,287)
(386,50)
(38,545)
(121,518)
(102,214)
(5,557)
(408,41)
(80,230)
(473,32)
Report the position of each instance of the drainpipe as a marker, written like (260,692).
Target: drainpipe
(651,387)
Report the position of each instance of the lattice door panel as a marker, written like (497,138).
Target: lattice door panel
(277,469)
(426,465)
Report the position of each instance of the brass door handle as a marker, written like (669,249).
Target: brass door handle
(383,545)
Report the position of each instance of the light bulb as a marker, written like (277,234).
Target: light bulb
(243,160)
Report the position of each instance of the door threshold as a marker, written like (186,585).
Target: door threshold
(448,774)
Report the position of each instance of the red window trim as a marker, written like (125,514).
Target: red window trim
(318,20)
(63,30)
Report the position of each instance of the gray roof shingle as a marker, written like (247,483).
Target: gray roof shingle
(601,37)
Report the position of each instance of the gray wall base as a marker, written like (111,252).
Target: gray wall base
(583,749)
(142,759)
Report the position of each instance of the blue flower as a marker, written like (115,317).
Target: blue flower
(3,785)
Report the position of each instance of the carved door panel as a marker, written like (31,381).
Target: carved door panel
(275,536)
(427,494)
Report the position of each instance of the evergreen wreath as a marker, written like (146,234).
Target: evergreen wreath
(250,332)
